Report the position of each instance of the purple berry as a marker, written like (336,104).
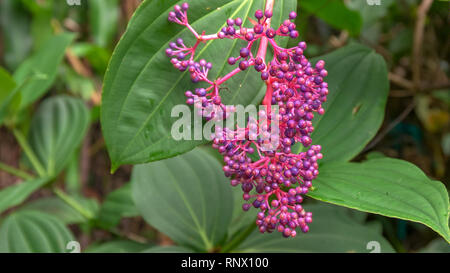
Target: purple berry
(231,60)
(258,29)
(243,65)
(270,33)
(292,15)
(264,76)
(244,52)
(259,14)
(293,34)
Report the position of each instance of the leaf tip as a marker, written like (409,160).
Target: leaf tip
(114,168)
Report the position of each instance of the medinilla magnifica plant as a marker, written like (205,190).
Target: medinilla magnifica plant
(325,110)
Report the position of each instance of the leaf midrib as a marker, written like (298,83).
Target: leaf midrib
(173,87)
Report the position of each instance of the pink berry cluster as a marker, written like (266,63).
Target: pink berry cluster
(272,180)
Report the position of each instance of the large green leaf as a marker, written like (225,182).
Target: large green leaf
(103,16)
(57,129)
(335,13)
(16,194)
(385,186)
(33,232)
(358,84)
(332,230)
(185,197)
(44,62)
(141,86)
(118,204)
(118,246)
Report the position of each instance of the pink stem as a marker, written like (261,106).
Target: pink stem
(193,31)
(228,76)
(264,40)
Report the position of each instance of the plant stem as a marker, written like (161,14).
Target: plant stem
(267,101)
(15,171)
(239,239)
(262,50)
(73,203)
(228,76)
(419,28)
(29,152)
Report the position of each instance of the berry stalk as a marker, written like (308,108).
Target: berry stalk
(264,40)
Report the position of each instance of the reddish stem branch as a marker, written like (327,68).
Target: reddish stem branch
(228,76)
(267,101)
(264,40)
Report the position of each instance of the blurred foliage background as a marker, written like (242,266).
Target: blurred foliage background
(65,46)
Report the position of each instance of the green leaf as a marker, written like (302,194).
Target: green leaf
(9,97)
(372,17)
(7,84)
(401,43)
(79,85)
(335,13)
(33,232)
(57,129)
(370,14)
(103,16)
(118,246)
(45,63)
(186,197)
(97,56)
(15,25)
(385,186)
(16,194)
(56,207)
(168,249)
(354,110)
(332,230)
(41,23)
(118,204)
(141,86)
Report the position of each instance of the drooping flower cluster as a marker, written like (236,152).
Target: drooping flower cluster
(261,158)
